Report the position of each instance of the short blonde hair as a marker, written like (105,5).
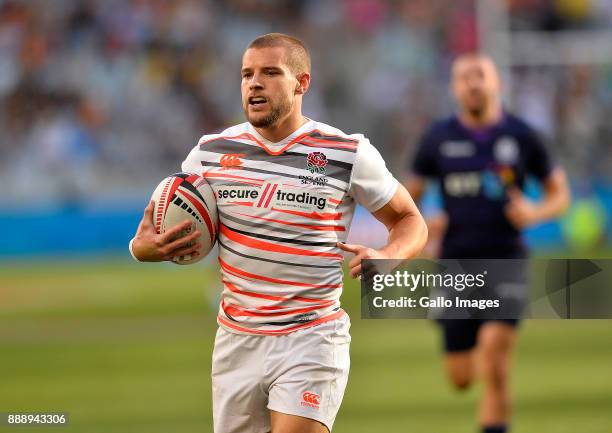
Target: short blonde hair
(297,56)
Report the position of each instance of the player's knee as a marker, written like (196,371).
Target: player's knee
(460,370)
(495,374)
(460,382)
(462,385)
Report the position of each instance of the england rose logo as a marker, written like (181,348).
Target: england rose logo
(316,162)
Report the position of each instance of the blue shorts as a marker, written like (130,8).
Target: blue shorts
(462,334)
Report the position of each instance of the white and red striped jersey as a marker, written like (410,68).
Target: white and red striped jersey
(282,209)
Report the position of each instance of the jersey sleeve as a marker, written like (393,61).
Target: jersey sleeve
(193,164)
(424,161)
(539,161)
(371,185)
(189,164)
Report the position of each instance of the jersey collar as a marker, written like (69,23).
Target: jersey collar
(484,133)
(276,148)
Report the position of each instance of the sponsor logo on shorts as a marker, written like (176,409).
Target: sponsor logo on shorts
(231,160)
(311,399)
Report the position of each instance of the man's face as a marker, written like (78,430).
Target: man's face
(475,84)
(268,86)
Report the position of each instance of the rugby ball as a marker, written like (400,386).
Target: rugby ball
(186,196)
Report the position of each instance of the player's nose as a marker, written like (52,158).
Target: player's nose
(474,83)
(255,83)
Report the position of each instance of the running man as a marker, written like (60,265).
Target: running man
(286,189)
(480,159)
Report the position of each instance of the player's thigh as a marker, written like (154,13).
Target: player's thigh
(460,338)
(239,403)
(285,423)
(313,379)
(497,337)
(496,341)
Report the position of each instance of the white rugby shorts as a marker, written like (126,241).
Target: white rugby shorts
(303,373)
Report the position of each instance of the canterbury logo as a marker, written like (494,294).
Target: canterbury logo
(311,399)
(232,160)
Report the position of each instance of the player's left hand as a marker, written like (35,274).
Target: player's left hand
(361,252)
(520,211)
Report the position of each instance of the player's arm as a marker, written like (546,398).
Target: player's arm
(522,212)
(416,186)
(407,232)
(422,166)
(378,191)
(436,224)
(148,246)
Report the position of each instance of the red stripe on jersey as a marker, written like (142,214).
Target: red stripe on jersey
(306,226)
(267,246)
(324,140)
(325,134)
(248,180)
(263,195)
(271,195)
(312,215)
(250,137)
(233,288)
(228,272)
(229,324)
(317,142)
(209,224)
(238,311)
(243,273)
(241,203)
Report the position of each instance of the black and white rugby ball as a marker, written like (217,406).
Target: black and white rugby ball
(186,196)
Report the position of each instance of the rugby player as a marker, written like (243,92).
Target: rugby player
(286,189)
(480,158)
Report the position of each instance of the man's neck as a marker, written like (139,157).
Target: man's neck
(282,130)
(490,117)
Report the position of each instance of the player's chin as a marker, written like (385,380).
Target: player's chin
(476,109)
(259,120)
(477,103)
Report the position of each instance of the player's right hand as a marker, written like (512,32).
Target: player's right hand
(149,246)
(361,253)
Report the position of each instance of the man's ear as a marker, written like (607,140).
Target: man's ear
(303,83)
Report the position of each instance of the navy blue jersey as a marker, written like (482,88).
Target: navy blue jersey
(474,169)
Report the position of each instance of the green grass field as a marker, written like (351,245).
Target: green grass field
(126,347)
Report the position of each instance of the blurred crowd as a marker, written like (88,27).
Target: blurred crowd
(101,98)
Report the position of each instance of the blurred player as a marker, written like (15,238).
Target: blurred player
(286,189)
(480,158)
